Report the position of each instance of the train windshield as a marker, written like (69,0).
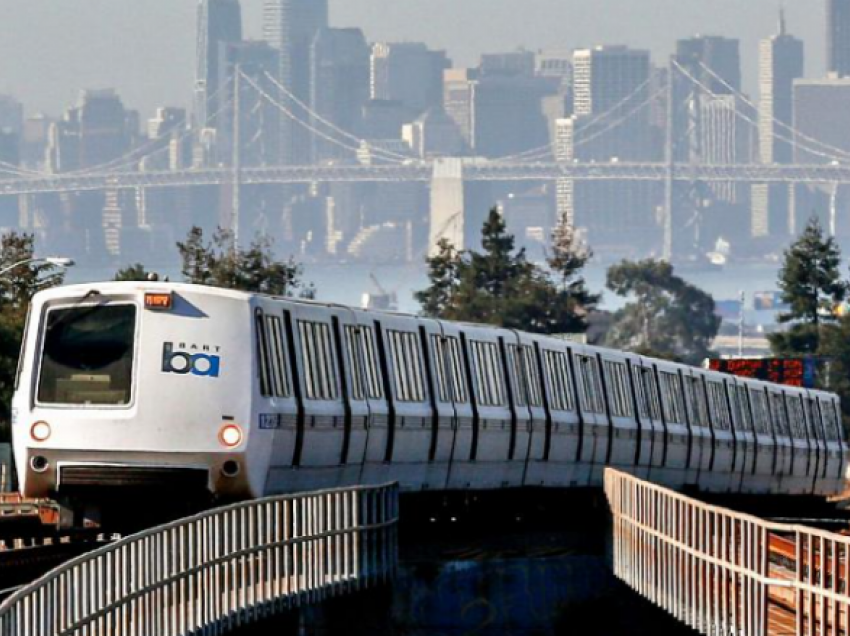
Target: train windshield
(88,355)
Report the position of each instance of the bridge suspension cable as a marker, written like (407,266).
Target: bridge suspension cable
(390,157)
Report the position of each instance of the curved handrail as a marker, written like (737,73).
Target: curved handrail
(215,567)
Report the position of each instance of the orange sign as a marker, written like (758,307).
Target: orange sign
(160,302)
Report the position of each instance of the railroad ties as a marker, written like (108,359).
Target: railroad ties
(723,572)
(217,570)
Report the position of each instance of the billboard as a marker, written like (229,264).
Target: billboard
(791,371)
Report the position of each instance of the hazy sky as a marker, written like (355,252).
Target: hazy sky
(146,48)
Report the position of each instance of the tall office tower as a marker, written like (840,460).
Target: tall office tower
(781,61)
(339,85)
(821,122)
(459,86)
(514,63)
(219,22)
(838,37)
(290,26)
(259,139)
(409,73)
(611,84)
(11,115)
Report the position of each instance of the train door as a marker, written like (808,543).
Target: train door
(818,439)
(679,464)
(411,417)
(320,438)
(555,460)
(702,446)
(518,398)
(723,468)
(277,407)
(745,439)
(522,358)
(439,376)
(781,433)
(834,443)
(802,448)
(624,445)
(765,445)
(363,391)
(596,430)
(493,422)
(651,423)
(452,378)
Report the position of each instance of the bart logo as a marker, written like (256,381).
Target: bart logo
(200,364)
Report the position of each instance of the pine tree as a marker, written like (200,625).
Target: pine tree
(811,284)
(668,317)
(134,272)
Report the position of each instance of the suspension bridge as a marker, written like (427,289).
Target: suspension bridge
(386,165)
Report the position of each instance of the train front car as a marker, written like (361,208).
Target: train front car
(126,387)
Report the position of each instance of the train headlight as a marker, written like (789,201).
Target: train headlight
(230,435)
(40,431)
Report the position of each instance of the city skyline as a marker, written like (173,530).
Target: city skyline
(148,77)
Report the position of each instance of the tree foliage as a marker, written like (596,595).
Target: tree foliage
(221,263)
(667,317)
(812,286)
(134,272)
(499,286)
(21,279)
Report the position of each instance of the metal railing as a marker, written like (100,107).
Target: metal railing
(723,572)
(216,570)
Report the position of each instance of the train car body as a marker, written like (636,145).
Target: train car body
(177,386)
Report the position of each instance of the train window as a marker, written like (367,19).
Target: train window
(647,393)
(671,397)
(522,363)
(488,374)
(363,360)
(458,370)
(796,419)
(780,417)
(407,366)
(695,396)
(88,355)
(558,372)
(23,351)
(830,422)
(442,373)
(263,362)
(320,378)
(279,378)
(590,384)
(719,406)
(740,410)
(619,392)
(758,400)
(811,419)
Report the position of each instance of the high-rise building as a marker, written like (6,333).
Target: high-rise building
(339,84)
(838,37)
(781,61)
(219,22)
(11,115)
(290,26)
(409,73)
(611,84)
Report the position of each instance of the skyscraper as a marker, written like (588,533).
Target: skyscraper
(219,22)
(781,62)
(838,37)
(409,73)
(339,83)
(290,26)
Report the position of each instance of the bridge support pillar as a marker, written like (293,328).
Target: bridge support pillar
(458,208)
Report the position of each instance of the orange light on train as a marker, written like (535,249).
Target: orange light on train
(230,435)
(159,301)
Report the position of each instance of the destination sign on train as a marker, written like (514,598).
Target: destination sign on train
(788,371)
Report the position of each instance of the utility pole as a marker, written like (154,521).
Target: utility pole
(667,254)
(236,158)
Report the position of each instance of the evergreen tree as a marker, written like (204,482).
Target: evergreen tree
(499,286)
(221,263)
(135,272)
(811,284)
(668,317)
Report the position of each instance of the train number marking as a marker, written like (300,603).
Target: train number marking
(270,421)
